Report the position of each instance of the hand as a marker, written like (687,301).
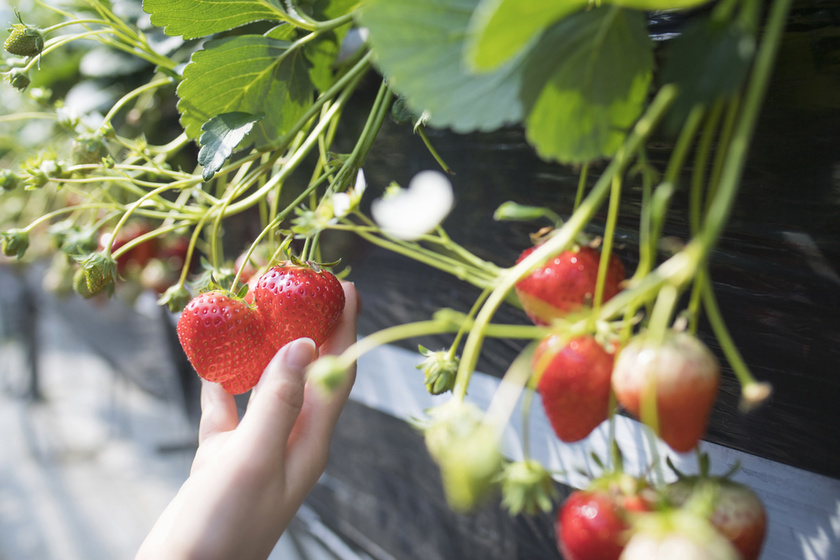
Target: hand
(249,478)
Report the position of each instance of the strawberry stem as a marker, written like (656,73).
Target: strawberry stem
(753,393)
(562,239)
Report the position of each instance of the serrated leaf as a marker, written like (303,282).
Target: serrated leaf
(199,18)
(222,134)
(587,81)
(420,48)
(500,29)
(250,74)
(708,60)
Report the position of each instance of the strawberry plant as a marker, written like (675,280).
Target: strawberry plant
(260,92)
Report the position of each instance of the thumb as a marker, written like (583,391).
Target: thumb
(277,399)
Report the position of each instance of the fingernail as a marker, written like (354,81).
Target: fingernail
(300,353)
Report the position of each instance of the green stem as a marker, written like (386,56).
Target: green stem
(421,132)
(131,95)
(581,188)
(737,152)
(563,237)
(752,391)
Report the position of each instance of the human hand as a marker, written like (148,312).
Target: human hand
(249,478)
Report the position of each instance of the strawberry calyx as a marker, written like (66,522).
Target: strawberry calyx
(14,242)
(440,368)
(97,273)
(527,487)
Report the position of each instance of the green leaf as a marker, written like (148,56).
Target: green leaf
(221,136)
(650,5)
(499,29)
(586,83)
(327,9)
(321,54)
(250,74)
(199,18)
(420,48)
(708,60)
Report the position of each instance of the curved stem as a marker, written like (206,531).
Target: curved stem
(563,237)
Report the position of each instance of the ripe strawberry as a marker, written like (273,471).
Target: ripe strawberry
(738,513)
(594,524)
(574,384)
(24,40)
(298,300)
(683,374)
(224,340)
(565,283)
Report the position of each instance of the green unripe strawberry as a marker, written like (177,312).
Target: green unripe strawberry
(9,180)
(14,242)
(99,272)
(24,40)
(440,369)
(19,79)
(88,149)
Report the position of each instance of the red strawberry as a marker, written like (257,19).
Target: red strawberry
(738,513)
(593,524)
(684,376)
(566,283)
(224,339)
(298,300)
(574,384)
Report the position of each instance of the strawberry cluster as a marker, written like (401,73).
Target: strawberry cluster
(670,382)
(230,341)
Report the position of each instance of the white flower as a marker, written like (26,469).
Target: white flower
(411,213)
(344,202)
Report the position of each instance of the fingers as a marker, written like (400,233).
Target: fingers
(276,401)
(345,332)
(311,443)
(218,411)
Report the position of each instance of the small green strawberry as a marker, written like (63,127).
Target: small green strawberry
(14,242)
(19,79)
(9,180)
(88,149)
(99,273)
(24,40)
(440,369)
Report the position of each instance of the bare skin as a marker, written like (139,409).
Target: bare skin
(250,477)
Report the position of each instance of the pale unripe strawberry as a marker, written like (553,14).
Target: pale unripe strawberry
(680,373)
